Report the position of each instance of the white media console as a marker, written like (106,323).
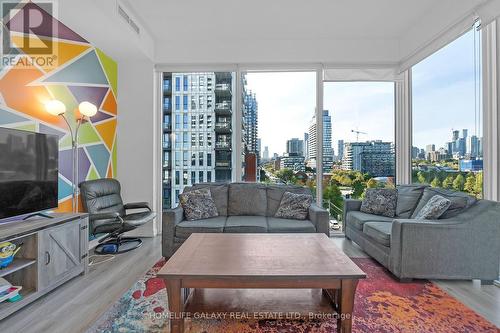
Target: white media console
(53,251)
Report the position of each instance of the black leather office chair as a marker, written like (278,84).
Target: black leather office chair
(107,214)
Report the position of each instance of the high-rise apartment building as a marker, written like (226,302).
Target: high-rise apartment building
(306,145)
(295,147)
(473,147)
(340,150)
(326,144)
(265,154)
(251,122)
(197,120)
(373,157)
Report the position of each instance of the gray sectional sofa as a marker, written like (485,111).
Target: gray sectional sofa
(242,208)
(463,244)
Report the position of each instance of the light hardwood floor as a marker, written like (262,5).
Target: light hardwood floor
(76,305)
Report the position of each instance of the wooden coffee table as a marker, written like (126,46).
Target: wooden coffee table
(262,276)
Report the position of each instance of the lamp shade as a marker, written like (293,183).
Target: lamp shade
(55,107)
(87,109)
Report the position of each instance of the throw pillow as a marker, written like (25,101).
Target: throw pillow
(198,204)
(434,208)
(380,201)
(294,206)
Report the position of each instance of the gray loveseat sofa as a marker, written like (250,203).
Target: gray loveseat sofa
(242,208)
(463,244)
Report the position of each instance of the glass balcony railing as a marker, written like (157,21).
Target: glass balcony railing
(222,145)
(223,87)
(222,164)
(223,126)
(223,107)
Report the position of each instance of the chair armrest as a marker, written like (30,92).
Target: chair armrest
(320,218)
(137,205)
(106,216)
(170,219)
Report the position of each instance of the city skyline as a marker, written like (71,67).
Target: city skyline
(443,82)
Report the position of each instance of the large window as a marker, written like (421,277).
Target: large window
(198,98)
(447,147)
(362,130)
(278,113)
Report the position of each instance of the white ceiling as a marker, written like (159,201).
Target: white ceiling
(271,31)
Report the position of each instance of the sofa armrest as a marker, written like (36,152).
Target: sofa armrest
(450,248)
(320,218)
(170,219)
(350,205)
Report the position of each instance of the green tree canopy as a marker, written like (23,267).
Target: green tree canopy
(459,182)
(470,183)
(286,175)
(448,182)
(436,182)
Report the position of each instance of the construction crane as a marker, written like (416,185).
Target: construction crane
(357,134)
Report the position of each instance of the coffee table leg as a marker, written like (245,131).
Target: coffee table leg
(175,305)
(346,305)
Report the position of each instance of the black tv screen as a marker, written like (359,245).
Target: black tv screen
(28,172)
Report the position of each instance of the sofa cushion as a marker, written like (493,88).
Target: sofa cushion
(198,204)
(277,225)
(275,194)
(213,225)
(294,206)
(379,231)
(459,201)
(219,193)
(380,201)
(247,199)
(408,197)
(434,208)
(356,219)
(246,224)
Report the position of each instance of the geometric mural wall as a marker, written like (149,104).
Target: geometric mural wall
(79,72)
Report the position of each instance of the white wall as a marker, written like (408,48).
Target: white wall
(135,134)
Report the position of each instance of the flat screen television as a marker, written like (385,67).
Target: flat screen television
(28,172)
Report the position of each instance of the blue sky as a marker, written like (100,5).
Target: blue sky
(443,99)
(443,93)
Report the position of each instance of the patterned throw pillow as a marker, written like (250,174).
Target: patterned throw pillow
(198,204)
(434,208)
(380,201)
(294,206)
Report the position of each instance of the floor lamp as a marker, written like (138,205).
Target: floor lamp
(87,110)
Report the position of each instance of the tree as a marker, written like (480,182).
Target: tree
(478,187)
(358,189)
(333,197)
(448,182)
(436,182)
(421,177)
(263,176)
(372,183)
(459,182)
(286,175)
(470,184)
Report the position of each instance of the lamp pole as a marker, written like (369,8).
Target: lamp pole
(87,110)
(74,159)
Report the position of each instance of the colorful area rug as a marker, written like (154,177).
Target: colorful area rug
(382,304)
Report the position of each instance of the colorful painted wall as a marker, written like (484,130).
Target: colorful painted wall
(78,72)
